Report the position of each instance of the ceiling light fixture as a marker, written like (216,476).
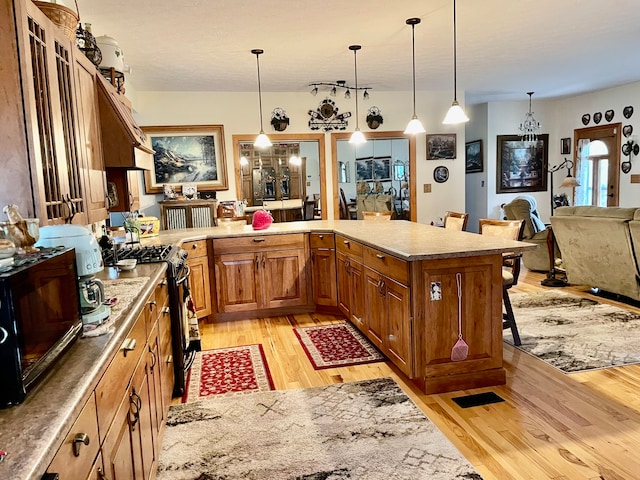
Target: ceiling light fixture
(333,92)
(262,141)
(415,126)
(347,94)
(338,86)
(314,90)
(357,137)
(529,128)
(455,114)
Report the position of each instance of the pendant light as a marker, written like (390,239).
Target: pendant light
(455,114)
(415,126)
(262,141)
(357,137)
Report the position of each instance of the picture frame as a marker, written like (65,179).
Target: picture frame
(373,168)
(473,156)
(565,146)
(522,165)
(186,154)
(441,146)
(441,174)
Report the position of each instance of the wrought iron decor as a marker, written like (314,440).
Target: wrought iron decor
(327,118)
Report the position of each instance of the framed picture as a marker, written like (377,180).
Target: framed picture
(565,146)
(441,146)
(473,156)
(522,166)
(190,154)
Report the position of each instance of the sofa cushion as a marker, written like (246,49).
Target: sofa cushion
(609,212)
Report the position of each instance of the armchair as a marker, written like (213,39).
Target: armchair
(535,231)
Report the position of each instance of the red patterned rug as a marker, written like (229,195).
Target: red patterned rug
(227,372)
(336,345)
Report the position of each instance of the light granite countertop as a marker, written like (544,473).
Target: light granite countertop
(32,432)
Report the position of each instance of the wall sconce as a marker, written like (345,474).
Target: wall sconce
(628,149)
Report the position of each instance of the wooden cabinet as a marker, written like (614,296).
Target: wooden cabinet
(261,274)
(187,214)
(78,452)
(350,280)
(62,142)
(124,189)
(323,269)
(200,280)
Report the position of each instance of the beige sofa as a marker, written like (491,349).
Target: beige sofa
(600,247)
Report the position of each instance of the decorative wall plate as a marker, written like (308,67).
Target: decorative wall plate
(627,111)
(625,166)
(608,115)
(586,118)
(597,117)
(441,174)
(627,130)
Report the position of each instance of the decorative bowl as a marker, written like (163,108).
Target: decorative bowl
(127,264)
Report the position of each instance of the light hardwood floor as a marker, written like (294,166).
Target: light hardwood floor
(551,426)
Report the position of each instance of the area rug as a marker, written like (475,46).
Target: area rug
(228,372)
(336,345)
(575,334)
(362,430)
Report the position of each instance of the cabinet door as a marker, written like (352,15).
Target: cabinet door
(89,140)
(124,183)
(399,324)
(323,268)
(142,433)
(200,284)
(375,325)
(117,453)
(344,284)
(283,278)
(237,282)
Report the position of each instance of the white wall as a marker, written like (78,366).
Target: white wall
(238,113)
(476,183)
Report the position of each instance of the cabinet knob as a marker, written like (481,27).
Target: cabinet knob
(166,311)
(151,305)
(381,257)
(78,440)
(321,237)
(392,338)
(194,246)
(129,345)
(346,242)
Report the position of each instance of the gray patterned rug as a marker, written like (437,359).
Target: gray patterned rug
(361,430)
(575,334)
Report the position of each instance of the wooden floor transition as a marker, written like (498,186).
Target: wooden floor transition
(552,425)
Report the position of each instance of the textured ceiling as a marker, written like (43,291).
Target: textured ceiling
(505,47)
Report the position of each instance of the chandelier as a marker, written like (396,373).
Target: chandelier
(529,128)
(339,85)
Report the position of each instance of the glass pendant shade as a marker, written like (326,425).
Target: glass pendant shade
(262,141)
(455,115)
(357,137)
(414,127)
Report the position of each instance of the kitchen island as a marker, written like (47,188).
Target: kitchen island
(33,432)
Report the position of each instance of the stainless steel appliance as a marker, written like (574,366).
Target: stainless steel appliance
(89,262)
(39,318)
(185,333)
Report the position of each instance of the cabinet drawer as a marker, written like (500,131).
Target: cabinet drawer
(322,240)
(85,428)
(349,247)
(387,264)
(113,384)
(257,243)
(196,249)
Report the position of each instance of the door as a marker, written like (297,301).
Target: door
(237,282)
(598,165)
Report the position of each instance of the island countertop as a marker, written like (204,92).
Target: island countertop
(407,240)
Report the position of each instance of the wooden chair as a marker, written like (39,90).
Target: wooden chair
(512,230)
(348,211)
(456,221)
(366,215)
(308,210)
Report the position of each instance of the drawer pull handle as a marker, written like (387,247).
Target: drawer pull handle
(381,257)
(392,338)
(78,440)
(166,311)
(151,305)
(163,283)
(129,345)
(258,240)
(170,359)
(321,237)
(154,358)
(346,242)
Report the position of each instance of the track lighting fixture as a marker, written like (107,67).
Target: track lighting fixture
(339,85)
(314,90)
(333,92)
(347,94)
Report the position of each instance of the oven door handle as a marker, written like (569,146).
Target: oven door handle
(185,276)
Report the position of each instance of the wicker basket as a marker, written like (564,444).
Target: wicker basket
(62,16)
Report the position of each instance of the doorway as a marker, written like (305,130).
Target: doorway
(597,156)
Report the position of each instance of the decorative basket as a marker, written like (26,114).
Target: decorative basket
(62,16)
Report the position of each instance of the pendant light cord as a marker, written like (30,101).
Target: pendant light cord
(455,59)
(413,56)
(259,87)
(355,68)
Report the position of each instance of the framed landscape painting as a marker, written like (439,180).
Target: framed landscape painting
(441,146)
(522,166)
(190,154)
(473,157)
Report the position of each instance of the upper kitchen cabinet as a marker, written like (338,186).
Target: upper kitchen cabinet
(56,101)
(123,140)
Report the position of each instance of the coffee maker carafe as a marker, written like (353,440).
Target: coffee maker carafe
(88,261)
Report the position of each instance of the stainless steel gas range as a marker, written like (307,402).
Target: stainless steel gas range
(184,330)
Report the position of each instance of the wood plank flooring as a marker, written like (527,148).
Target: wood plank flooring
(551,426)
